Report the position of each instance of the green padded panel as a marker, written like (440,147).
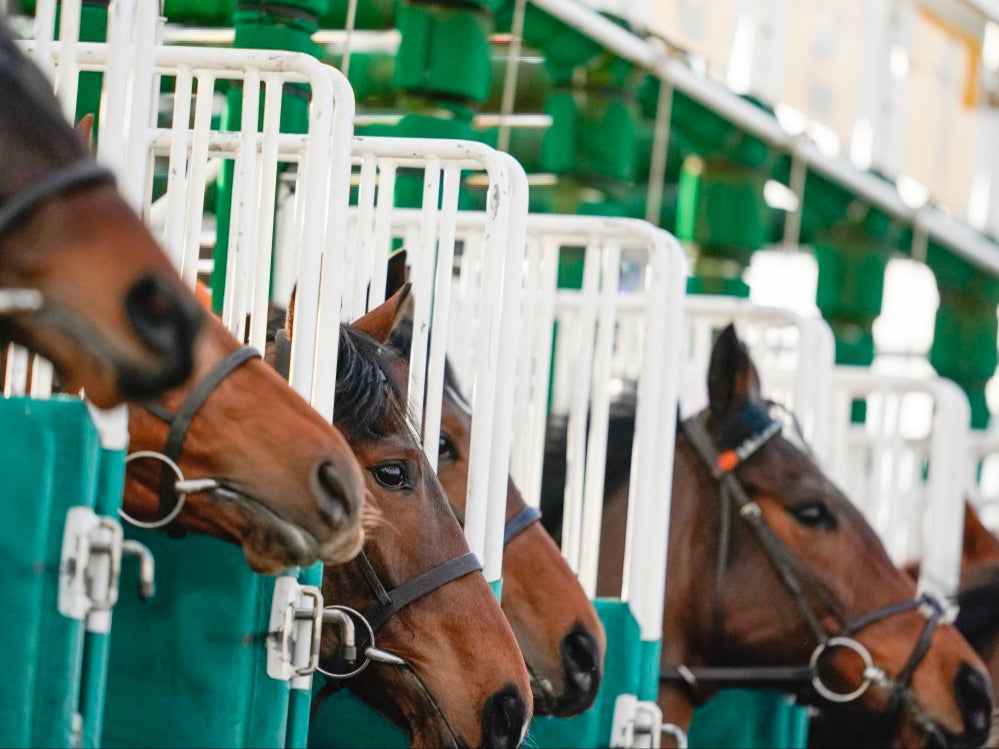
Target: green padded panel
(622,674)
(97,646)
(749,719)
(49,456)
(344,721)
(188,667)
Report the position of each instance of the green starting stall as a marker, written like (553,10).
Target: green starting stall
(222,656)
(62,549)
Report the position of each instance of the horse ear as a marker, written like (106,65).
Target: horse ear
(390,321)
(732,377)
(85,129)
(396,275)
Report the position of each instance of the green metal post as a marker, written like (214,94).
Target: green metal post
(964,341)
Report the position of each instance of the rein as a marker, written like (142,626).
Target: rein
(173,489)
(723,466)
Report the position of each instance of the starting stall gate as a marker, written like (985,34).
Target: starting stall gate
(617,332)
(438,168)
(64,466)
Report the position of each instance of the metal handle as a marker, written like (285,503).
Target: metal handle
(147,567)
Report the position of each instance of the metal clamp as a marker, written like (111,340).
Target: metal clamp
(294,632)
(337,614)
(90,567)
(182,486)
(871,672)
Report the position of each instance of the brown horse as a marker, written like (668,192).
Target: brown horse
(775,579)
(259,466)
(82,282)
(461,680)
(557,628)
(977,621)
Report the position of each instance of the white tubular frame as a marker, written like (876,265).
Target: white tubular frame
(126,107)
(794,355)
(880,468)
(430,233)
(322,156)
(590,331)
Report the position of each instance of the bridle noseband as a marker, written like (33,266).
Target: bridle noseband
(72,176)
(723,467)
(173,487)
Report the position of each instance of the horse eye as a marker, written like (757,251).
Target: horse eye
(446,448)
(391,476)
(814,514)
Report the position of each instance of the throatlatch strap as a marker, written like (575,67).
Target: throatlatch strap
(180,422)
(520,523)
(419,586)
(69,177)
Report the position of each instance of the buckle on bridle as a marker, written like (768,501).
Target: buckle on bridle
(182,487)
(872,674)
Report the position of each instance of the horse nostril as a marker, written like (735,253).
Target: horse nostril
(167,322)
(974,698)
(504,718)
(160,315)
(580,658)
(336,502)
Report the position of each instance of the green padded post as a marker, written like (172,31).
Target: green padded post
(850,289)
(721,210)
(51,456)
(195,651)
(200,12)
(300,700)
(964,341)
(285,25)
(97,646)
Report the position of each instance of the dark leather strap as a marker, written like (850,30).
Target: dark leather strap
(181,421)
(426,582)
(69,177)
(735,676)
(520,523)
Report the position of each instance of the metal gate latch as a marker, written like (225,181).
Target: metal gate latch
(90,565)
(638,724)
(294,632)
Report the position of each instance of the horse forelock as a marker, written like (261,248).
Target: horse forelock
(369,401)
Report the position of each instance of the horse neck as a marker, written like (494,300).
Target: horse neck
(689,612)
(979,546)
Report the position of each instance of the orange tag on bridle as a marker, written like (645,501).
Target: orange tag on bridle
(727,461)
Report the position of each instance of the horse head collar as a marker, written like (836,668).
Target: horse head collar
(724,465)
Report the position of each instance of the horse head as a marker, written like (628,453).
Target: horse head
(557,628)
(82,281)
(461,681)
(255,463)
(770,565)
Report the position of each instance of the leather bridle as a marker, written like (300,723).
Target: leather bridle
(389,602)
(173,487)
(66,178)
(723,466)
